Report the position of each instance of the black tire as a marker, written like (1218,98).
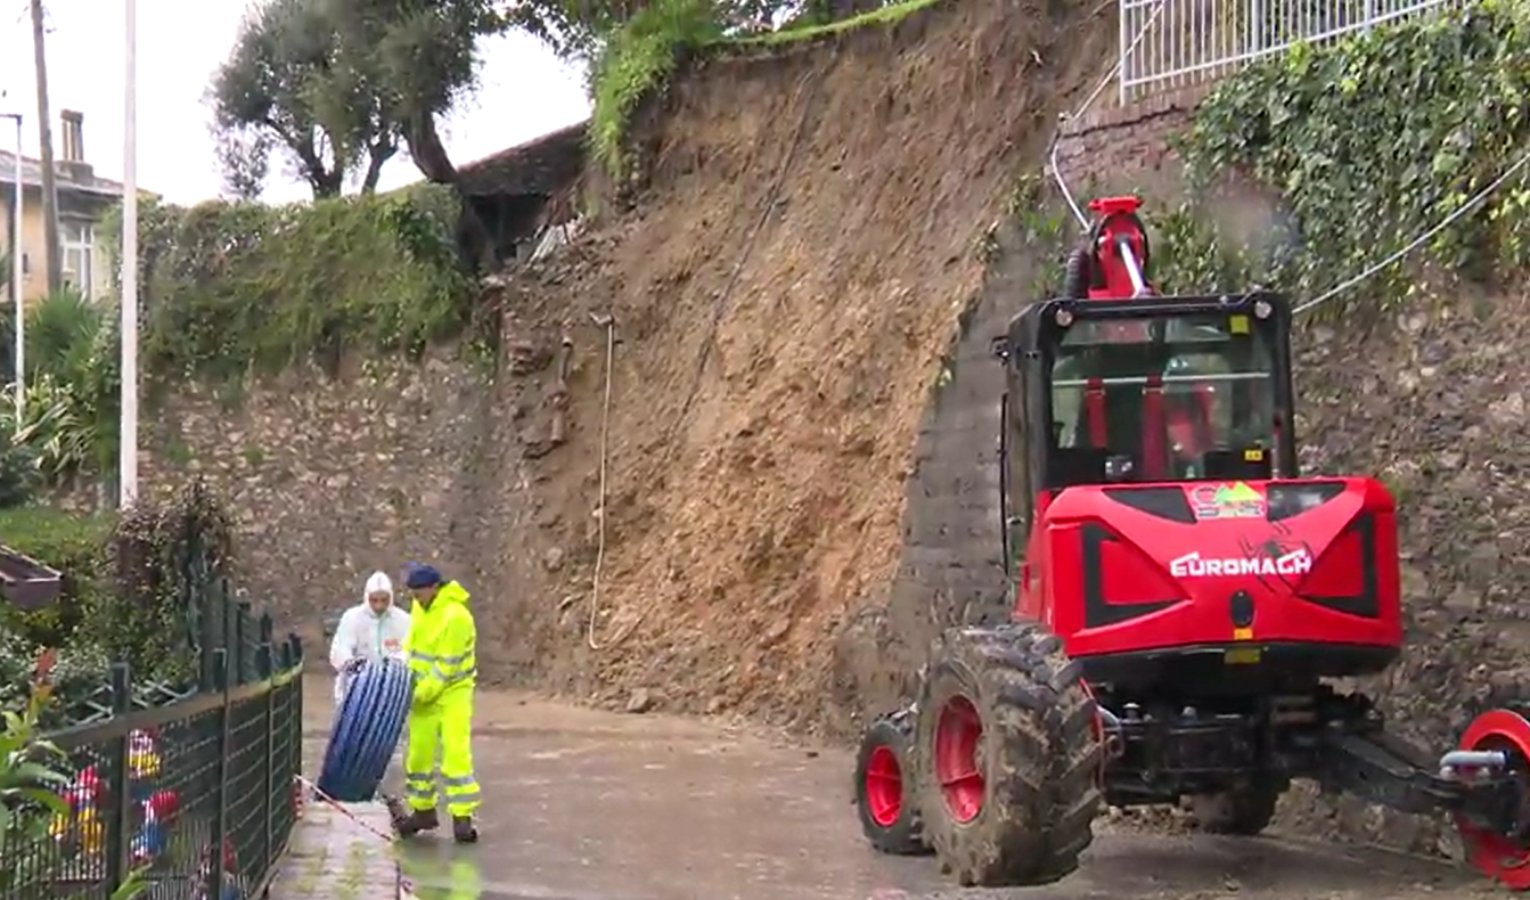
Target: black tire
(1038,756)
(1244,809)
(895,828)
(1076,275)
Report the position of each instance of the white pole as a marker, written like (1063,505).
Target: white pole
(127,462)
(17,250)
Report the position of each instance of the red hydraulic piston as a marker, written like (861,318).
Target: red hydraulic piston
(1119,247)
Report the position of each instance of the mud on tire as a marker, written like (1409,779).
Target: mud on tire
(884,786)
(1244,809)
(1008,756)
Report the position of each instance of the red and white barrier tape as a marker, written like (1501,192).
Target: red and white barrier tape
(331,801)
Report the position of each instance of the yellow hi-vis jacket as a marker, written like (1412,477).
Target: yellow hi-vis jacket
(441,645)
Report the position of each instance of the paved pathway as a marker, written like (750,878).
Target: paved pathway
(587,805)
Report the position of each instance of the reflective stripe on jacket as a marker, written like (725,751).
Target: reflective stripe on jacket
(441,645)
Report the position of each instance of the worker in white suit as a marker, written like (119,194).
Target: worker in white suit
(372,630)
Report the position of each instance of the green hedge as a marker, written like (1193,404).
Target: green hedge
(234,287)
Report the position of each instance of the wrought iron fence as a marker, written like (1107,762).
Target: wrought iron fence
(1166,44)
(197,795)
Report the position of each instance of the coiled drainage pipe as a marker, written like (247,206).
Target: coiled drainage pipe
(366,731)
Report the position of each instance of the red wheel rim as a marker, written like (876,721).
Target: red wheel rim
(957,733)
(884,787)
(1495,855)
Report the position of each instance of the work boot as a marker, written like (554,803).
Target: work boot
(463,831)
(417,821)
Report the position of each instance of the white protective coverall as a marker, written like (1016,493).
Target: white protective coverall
(366,634)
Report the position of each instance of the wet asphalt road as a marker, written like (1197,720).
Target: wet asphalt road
(589,805)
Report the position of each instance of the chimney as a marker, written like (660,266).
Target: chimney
(73,135)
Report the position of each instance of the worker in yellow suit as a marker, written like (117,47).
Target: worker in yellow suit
(440,650)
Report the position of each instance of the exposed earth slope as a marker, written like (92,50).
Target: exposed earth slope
(784,295)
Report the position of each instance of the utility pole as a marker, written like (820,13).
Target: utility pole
(55,263)
(127,440)
(17,252)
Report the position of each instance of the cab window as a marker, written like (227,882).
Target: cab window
(1164,399)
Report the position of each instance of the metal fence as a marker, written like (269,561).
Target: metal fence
(198,794)
(1167,44)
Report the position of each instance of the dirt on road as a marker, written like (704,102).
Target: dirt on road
(582,804)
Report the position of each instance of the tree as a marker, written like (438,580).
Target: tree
(418,57)
(291,81)
(245,157)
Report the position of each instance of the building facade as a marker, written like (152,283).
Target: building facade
(83,199)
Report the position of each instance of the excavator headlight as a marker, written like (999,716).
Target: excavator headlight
(1262,309)
(1064,318)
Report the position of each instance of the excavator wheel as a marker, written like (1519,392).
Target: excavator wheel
(1009,755)
(1244,809)
(884,781)
(1077,275)
(1504,724)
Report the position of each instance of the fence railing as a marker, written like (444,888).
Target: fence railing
(1168,44)
(197,794)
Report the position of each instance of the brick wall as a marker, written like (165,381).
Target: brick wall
(1127,147)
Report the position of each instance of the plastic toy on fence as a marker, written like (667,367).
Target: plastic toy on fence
(81,828)
(233,887)
(365,733)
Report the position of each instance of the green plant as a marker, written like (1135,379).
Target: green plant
(33,772)
(18,469)
(814,23)
(636,60)
(231,288)
(69,421)
(1371,141)
(149,573)
(167,556)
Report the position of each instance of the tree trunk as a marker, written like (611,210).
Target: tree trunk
(55,265)
(427,150)
(378,154)
(430,157)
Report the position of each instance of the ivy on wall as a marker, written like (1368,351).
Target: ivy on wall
(230,288)
(1371,141)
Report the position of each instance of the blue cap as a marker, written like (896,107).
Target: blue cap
(419,576)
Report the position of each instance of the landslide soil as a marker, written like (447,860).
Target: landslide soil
(804,239)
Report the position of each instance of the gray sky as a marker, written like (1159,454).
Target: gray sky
(526,92)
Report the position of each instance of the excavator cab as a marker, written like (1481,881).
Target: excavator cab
(1102,388)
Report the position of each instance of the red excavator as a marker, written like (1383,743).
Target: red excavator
(1183,600)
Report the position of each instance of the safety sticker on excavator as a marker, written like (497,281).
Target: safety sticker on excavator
(1227,501)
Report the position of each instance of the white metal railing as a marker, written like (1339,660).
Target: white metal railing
(1168,44)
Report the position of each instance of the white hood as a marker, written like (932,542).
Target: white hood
(379,582)
(363,633)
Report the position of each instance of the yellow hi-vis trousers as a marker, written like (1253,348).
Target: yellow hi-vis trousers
(447,725)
